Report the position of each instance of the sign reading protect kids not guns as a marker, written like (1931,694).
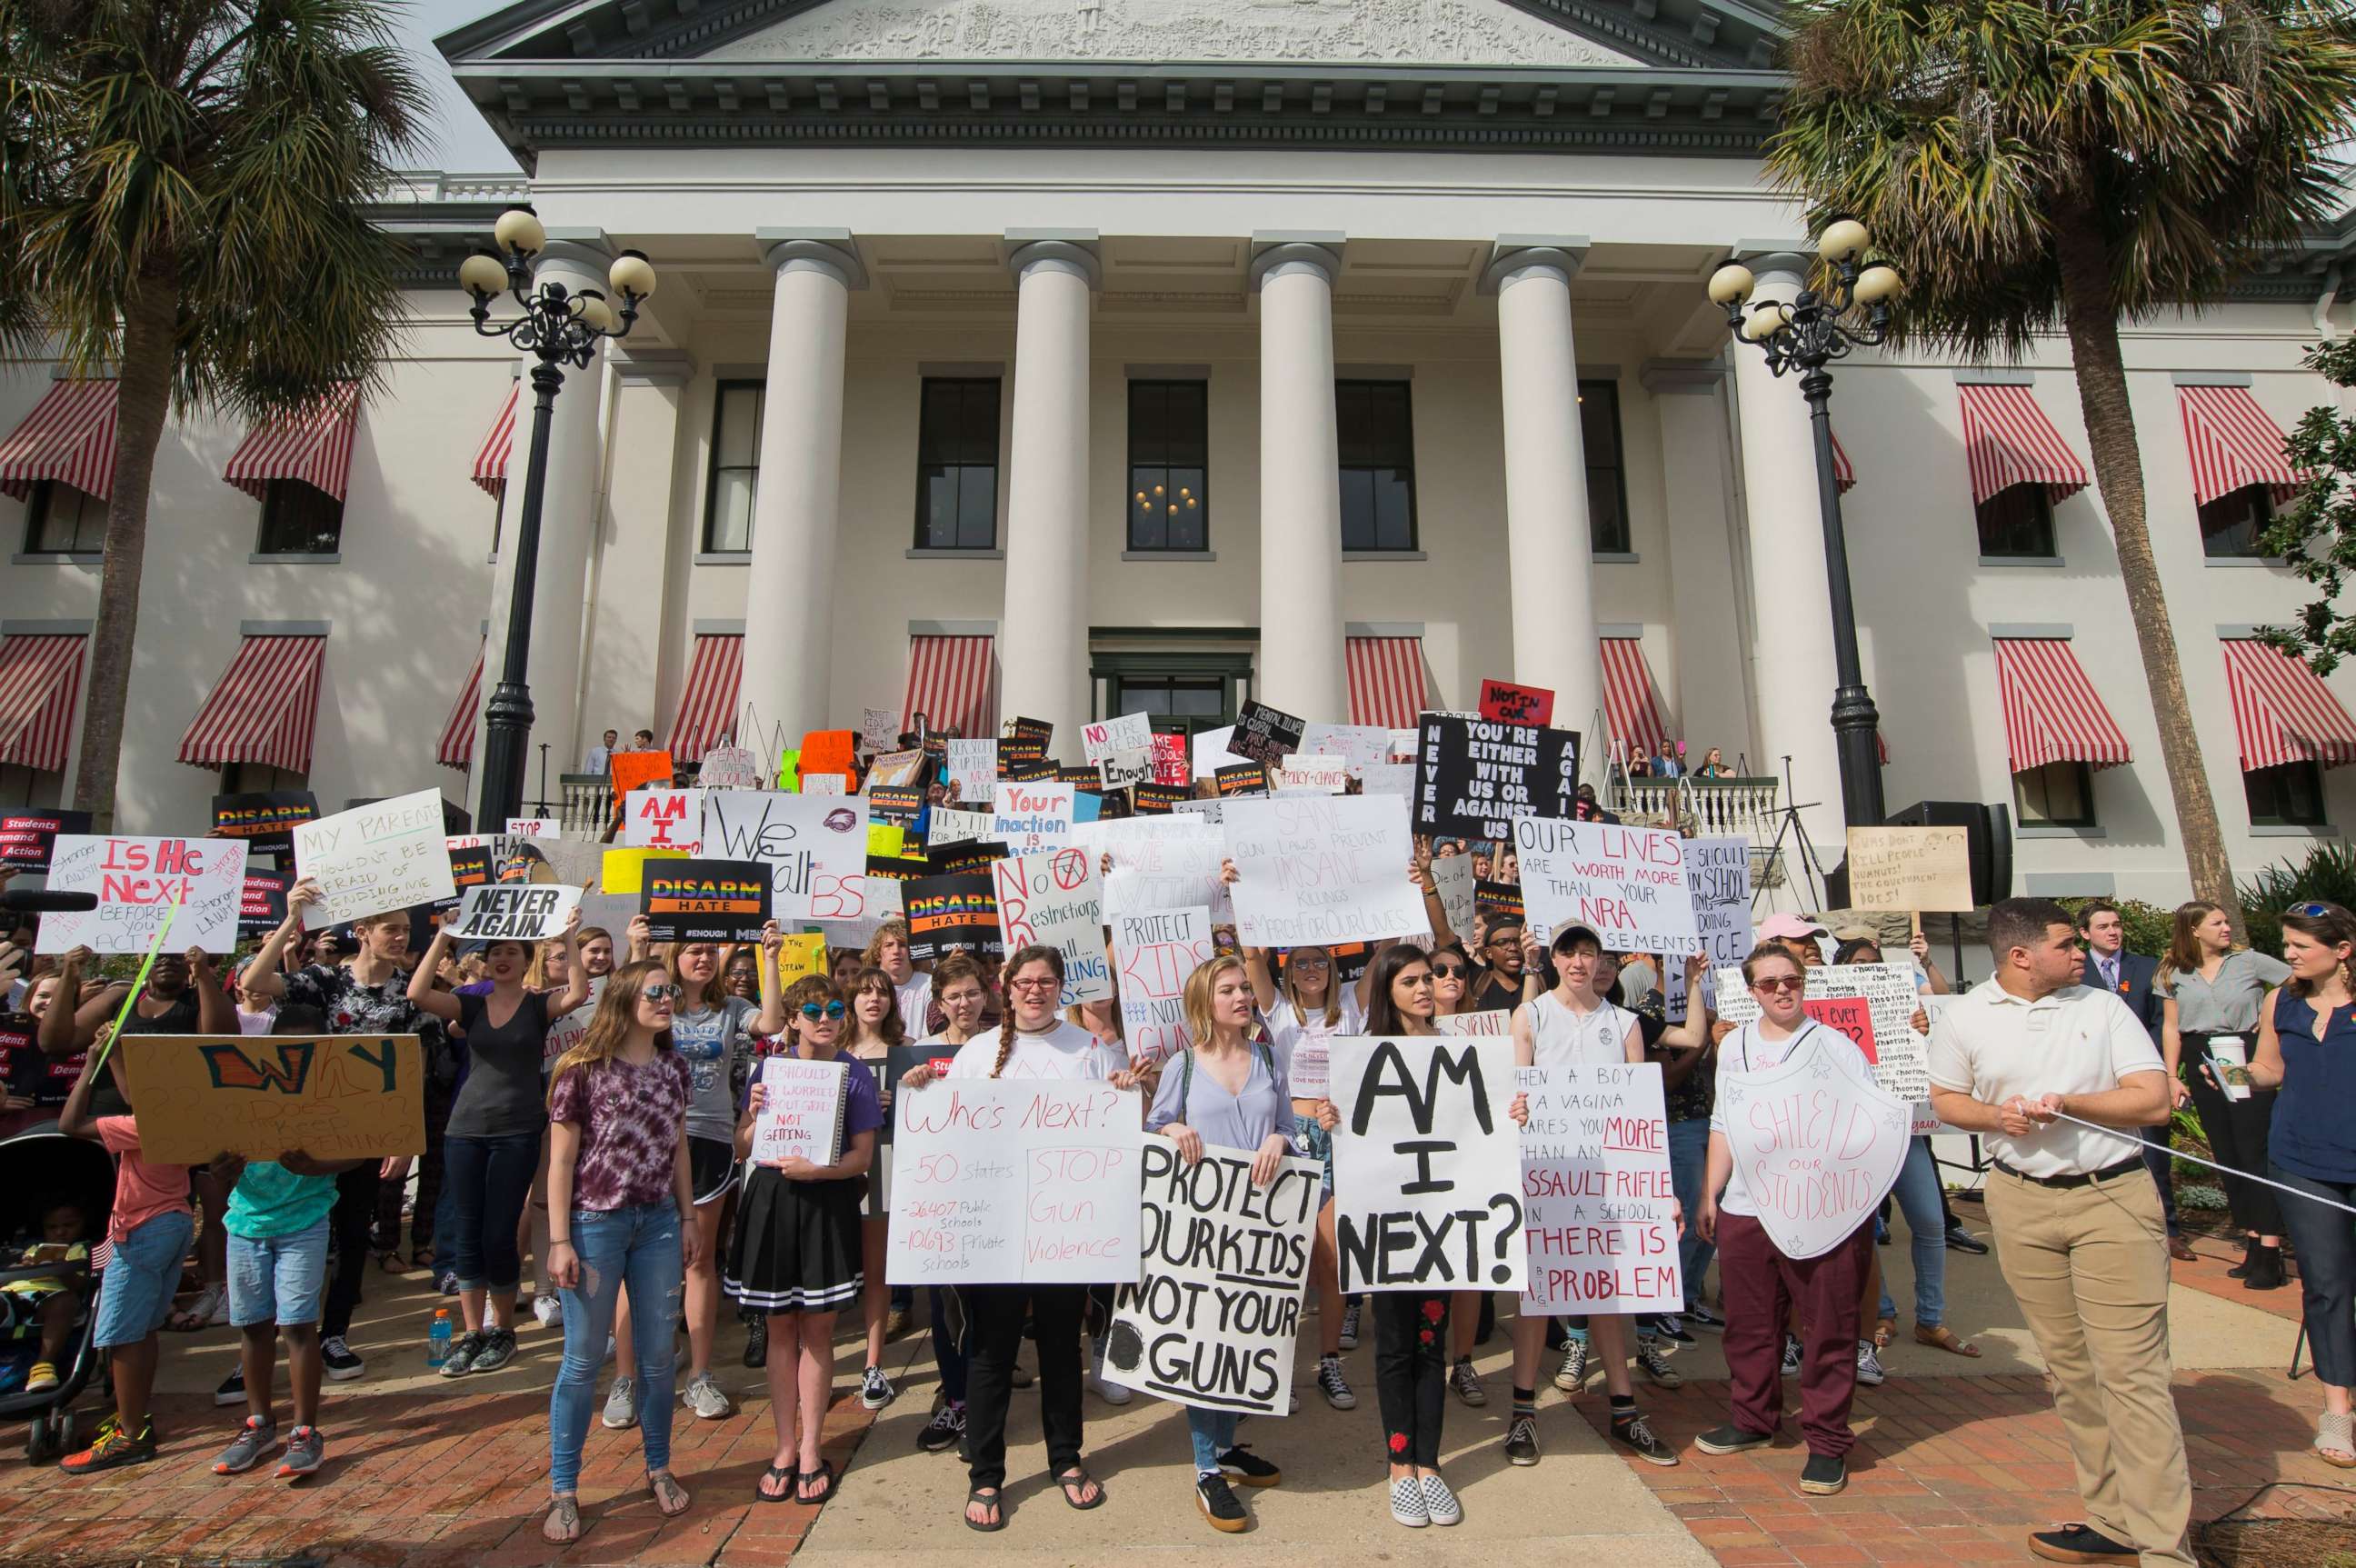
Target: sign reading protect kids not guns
(338,1097)
(137,881)
(1426,1165)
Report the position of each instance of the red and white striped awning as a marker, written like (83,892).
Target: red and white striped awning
(491,462)
(2281,710)
(264,708)
(1386,684)
(314,445)
(949,682)
(67,437)
(1629,706)
(707,709)
(2009,441)
(2050,711)
(456,749)
(2233,445)
(1843,472)
(40,676)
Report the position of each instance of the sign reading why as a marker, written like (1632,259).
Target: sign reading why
(344,1097)
(26,836)
(814,846)
(1263,734)
(1509,704)
(1052,898)
(1473,776)
(704,900)
(137,881)
(1001,1181)
(389,856)
(1426,1165)
(513,912)
(1628,884)
(1031,817)
(1323,868)
(1110,737)
(1818,1143)
(1602,1212)
(664,819)
(1910,868)
(265,819)
(801,1110)
(951,914)
(1213,1321)
(1155,954)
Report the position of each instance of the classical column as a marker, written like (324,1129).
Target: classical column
(1042,639)
(789,589)
(1696,488)
(1550,568)
(1300,665)
(635,647)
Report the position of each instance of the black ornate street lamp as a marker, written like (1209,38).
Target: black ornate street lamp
(561,326)
(1807,333)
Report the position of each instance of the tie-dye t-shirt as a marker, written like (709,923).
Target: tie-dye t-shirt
(630,1119)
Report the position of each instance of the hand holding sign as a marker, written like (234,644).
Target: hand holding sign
(1426,1165)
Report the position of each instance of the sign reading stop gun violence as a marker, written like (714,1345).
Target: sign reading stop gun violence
(1052,898)
(1910,868)
(137,881)
(339,1097)
(389,855)
(1427,1165)
(1324,869)
(1600,1210)
(1627,884)
(1213,1321)
(1003,1181)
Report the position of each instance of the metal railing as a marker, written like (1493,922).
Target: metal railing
(1748,808)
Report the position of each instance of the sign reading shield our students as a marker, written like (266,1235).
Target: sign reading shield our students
(695,900)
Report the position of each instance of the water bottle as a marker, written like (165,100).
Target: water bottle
(437,1338)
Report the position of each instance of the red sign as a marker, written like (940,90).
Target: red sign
(1171,762)
(1509,704)
(1852,1016)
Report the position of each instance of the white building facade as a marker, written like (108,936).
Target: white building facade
(1000,366)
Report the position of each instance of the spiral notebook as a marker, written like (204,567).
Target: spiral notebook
(802,1109)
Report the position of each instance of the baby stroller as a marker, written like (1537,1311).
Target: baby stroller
(38,1166)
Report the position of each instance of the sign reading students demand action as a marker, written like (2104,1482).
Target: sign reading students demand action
(1426,1165)
(1473,776)
(704,900)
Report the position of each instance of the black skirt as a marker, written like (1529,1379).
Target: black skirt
(797,1244)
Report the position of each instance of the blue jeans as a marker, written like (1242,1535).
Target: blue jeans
(639,1246)
(2325,1241)
(277,1279)
(1917,1193)
(1213,1431)
(487,1182)
(1688,1166)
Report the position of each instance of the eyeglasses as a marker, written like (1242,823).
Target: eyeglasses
(1509,941)
(662,991)
(814,1012)
(1450,970)
(1778,984)
(1307,963)
(1036,983)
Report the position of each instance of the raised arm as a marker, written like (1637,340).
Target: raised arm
(773,992)
(216,1014)
(1263,983)
(576,979)
(262,976)
(443,1005)
(61,1033)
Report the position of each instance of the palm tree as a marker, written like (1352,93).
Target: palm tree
(2077,162)
(180,189)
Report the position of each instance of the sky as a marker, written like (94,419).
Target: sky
(462,143)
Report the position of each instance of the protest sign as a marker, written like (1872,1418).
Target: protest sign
(802,1104)
(1126,769)
(1509,704)
(1052,898)
(1022,753)
(1213,1319)
(1263,734)
(1426,1165)
(1156,800)
(262,906)
(900,804)
(1320,868)
(388,855)
(536,827)
(1359,746)
(470,866)
(1886,1035)
(1451,882)
(1487,1021)
(731,768)
(1208,751)
(1473,776)
(26,837)
(1079,775)
(1601,1214)
(951,914)
(1028,1181)
(1627,884)
(899,768)
(965,859)
(1851,1015)
(697,900)
(1154,952)
(1164,863)
(1389,778)
(1918,869)
(789,769)
(1717,874)
(625,870)
(830,754)
(800,953)
(263,819)
(524,913)
(1301,774)
(1170,761)
(637,770)
(664,818)
(834,784)
(1241,779)
(972,769)
(1497,899)
(343,1096)
(1031,817)
(949,825)
(1819,1147)
(572,861)
(1209,810)
(879,729)
(815,849)
(1109,737)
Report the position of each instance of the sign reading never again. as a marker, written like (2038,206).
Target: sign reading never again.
(339,1097)
(516,912)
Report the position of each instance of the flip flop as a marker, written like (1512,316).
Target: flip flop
(989,1499)
(792,1479)
(664,1485)
(1078,1479)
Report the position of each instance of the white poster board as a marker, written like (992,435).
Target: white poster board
(949,825)
(1164,862)
(1359,746)
(1107,738)
(1451,880)
(1387,779)
(663,819)
(1322,869)
(1152,954)
(1898,1056)
(972,769)
(801,1110)
(1488,1021)
(369,859)
(137,881)
(1818,1146)
(512,912)
(1033,816)
(1052,898)
(1122,768)
(1302,775)
(815,848)
(879,730)
(731,768)
(536,827)
(1426,1165)
(1209,753)
(1601,1220)
(1717,874)
(1627,884)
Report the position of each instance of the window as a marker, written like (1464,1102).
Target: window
(299,520)
(2230,524)
(957,466)
(2058,795)
(2288,796)
(2018,521)
(1181,691)
(253,778)
(736,469)
(1177,705)
(1376,438)
(1169,457)
(61,521)
(1607,480)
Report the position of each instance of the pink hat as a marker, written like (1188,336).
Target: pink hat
(1784,928)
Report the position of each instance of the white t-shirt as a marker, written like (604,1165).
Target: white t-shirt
(1748,1053)
(914,998)
(1066,1051)
(1991,1045)
(1560,1037)
(1287,1027)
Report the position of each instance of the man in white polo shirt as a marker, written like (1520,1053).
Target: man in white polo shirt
(2078,1225)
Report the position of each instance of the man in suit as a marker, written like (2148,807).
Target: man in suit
(2129,977)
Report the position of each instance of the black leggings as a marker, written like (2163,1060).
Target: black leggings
(1410,1373)
(994,1319)
(490,1181)
(2237,1137)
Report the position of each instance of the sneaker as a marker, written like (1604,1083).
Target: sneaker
(1670,1326)
(1467,1382)
(1630,1431)
(703,1396)
(547,1310)
(1700,1316)
(461,1359)
(305,1449)
(1868,1365)
(946,1430)
(621,1405)
(896,1322)
(1823,1474)
(112,1449)
(1408,1506)
(1332,1385)
(2079,1542)
(499,1349)
(445,1282)
(1240,1464)
(1110,1392)
(1790,1357)
(1657,1366)
(42,1377)
(1440,1503)
(1962,1240)
(1731,1439)
(875,1389)
(756,1341)
(1217,1501)
(341,1364)
(1522,1438)
(245,1450)
(1350,1327)
(1573,1377)
(232,1390)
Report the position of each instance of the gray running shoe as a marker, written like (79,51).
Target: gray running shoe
(704,1397)
(498,1348)
(254,1439)
(621,1405)
(1467,1384)
(305,1449)
(461,1359)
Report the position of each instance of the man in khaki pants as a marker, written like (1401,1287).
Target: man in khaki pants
(2078,1224)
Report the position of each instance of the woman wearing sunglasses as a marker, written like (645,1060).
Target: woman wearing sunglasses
(872,1028)
(799,1254)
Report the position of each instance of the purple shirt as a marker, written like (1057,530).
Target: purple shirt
(631,1119)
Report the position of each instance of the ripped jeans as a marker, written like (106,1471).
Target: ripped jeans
(638,1246)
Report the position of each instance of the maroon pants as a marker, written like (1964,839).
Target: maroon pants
(1762,1287)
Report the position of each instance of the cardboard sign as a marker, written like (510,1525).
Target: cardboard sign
(1920,869)
(830,753)
(972,769)
(802,953)
(1171,765)
(1126,769)
(343,1096)
(1267,735)
(1323,869)
(900,768)
(695,900)
(801,1110)
(1004,1182)
(1301,774)
(524,913)
(731,768)
(1153,955)
(1820,1145)
(815,848)
(664,818)
(389,856)
(1031,817)
(261,907)
(1600,1210)
(1473,776)
(951,914)
(536,827)
(263,819)
(624,871)
(137,881)
(1052,898)
(1213,1320)
(1717,874)
(1361,747)
(879,729)
(1512,704)
(1110,737)
(1426,1165)
(638,770)
(1627,884)
(1164,863)
(27,837)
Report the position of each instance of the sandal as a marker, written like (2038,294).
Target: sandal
(563,1525)
(670,1498)
(789,1481)
(1940,1336)
(209,1309)
(2335,1440)
(1885,1329)
(1077,1479)
(988,1497)
(389,1259)
(823,1475)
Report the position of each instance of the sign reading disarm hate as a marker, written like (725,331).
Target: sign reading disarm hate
(1427,1165)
